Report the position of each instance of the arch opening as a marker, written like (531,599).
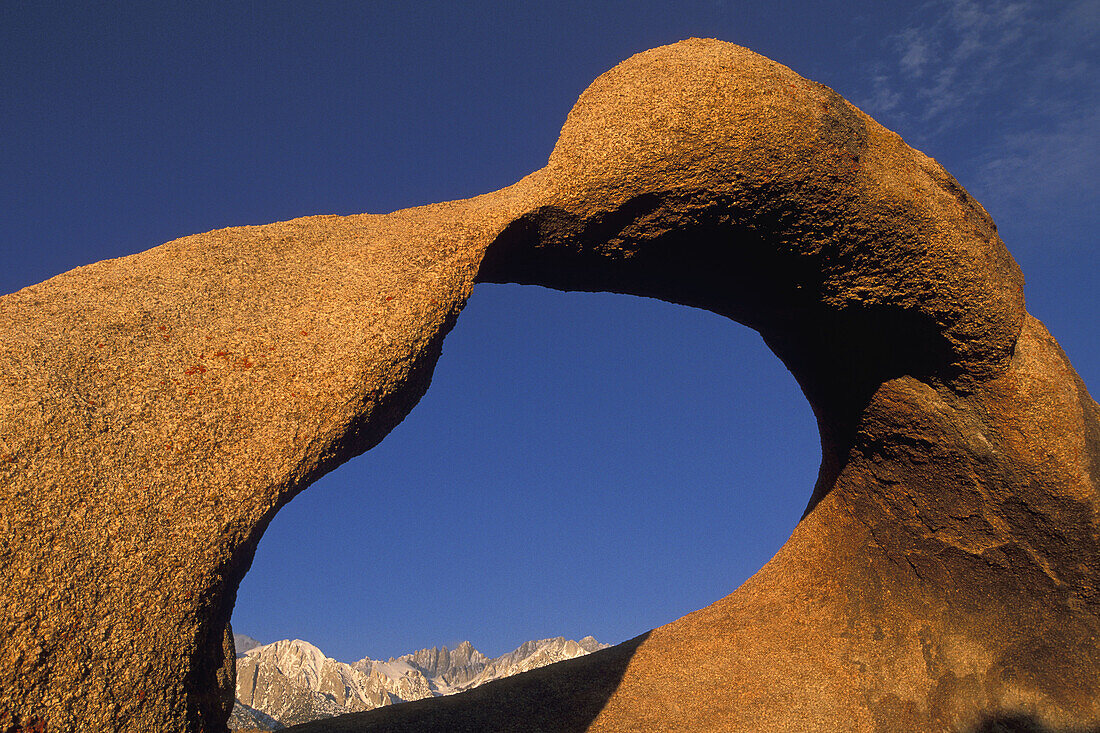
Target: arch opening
(667,440)
(741,265)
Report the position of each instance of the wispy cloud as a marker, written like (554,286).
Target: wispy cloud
(957,56)
(1055,169)
(914,47)
(1018,79)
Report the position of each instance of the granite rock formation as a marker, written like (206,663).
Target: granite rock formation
(157,410)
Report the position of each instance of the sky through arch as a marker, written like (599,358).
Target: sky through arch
(582,464)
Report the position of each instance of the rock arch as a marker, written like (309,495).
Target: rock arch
(157,410)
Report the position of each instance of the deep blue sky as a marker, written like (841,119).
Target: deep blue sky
(583,464)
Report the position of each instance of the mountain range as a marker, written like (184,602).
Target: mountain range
(291,681)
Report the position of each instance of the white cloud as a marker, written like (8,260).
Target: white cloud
(1020,78)
(1045,169)
(959,54)
(914,49)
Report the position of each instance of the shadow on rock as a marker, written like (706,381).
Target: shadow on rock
(566,696)
(1023,723)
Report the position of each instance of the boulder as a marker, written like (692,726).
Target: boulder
(158,409)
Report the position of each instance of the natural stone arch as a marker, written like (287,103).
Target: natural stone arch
(157,410)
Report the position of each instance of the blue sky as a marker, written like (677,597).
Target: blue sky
(583,464)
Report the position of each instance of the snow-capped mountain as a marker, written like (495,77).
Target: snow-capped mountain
(244,643)
(292,681)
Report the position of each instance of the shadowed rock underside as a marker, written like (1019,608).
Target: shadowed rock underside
(157,410)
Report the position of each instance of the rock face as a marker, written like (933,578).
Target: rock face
(248,719)
(291,681)
(157,410)
(452,668)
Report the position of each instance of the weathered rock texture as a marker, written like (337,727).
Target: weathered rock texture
(157,410)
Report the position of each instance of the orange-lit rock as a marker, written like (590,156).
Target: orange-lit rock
(157,410)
